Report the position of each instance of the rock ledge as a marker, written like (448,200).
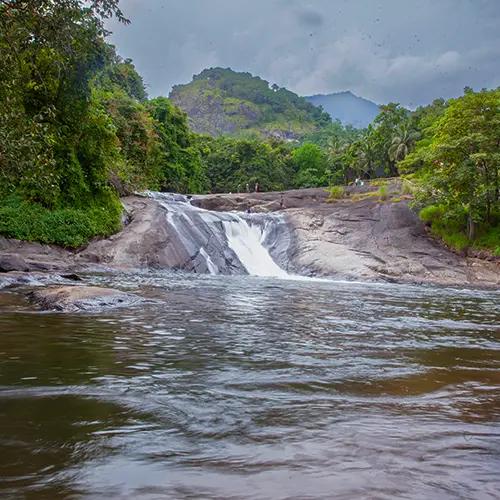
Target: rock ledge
(81,298)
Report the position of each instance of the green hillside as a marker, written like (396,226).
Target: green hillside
(222,101)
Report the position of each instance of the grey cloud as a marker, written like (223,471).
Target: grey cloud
(385,50)
(310,18)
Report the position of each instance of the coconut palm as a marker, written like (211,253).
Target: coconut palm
(401,143)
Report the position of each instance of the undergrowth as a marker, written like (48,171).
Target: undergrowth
(67,227)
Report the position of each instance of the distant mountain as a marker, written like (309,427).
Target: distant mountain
(222,101)
(347,107)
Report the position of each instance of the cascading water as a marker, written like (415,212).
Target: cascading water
(246,240)
(224,242)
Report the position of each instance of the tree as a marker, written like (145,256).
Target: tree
(402,142)
(385,126)
(180,161)
(50,51)
(462,168)
(311,166)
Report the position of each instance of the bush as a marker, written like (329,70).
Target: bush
(67,227)
(336,193)
(407,187)
(383,192)
(489,238)
(432,213)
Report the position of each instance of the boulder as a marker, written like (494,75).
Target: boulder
(81,298)
(12,263)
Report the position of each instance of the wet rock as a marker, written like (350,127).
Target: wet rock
(71,277)
(12,263)
(20,278)
(81,298)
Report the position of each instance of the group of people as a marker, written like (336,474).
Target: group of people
(256,188)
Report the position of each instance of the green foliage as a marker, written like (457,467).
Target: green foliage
(311,166)
(138,165)
(223,101)
(383,192)
(180,159)
(231,164)
(68,227)
(432,213)
(407,187)
(335,193)
(489,238)
(50,52)
(422,120)
(462,162)
(119,74)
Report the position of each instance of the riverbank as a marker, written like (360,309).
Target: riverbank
(357,238)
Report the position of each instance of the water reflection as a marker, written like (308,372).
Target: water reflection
(253,388)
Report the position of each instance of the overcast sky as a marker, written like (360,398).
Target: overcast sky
(408,51)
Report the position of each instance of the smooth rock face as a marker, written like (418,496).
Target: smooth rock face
(35,256)
(12,263)
(81,298)
(368,240)
(348,239)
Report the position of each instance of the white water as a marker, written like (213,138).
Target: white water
(246,241)
(212,268)
(209,235)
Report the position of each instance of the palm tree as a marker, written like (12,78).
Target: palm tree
(366,158)
(401,143)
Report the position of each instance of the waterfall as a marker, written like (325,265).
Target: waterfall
(206,241)
(246,240)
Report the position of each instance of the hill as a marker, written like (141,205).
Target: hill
(347,107)
(222,101)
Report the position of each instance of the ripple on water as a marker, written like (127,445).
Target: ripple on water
(247,388)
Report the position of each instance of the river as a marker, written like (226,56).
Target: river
(246,387)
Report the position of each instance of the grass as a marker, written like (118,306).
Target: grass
(364,196)
(383,192)
(407,187)
(67,227)
(453,233)
(336,193)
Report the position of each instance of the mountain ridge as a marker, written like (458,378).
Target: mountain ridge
(347,107)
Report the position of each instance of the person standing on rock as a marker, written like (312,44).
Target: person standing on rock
(248,188)
(282,202)
(256,187)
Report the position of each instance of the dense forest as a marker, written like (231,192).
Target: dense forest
(77,131)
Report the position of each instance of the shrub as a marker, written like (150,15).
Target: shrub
(383,192)
(336,193)
(432,213)
(407,187)
(67,227)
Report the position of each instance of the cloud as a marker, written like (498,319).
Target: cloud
(310,18)
(385,50)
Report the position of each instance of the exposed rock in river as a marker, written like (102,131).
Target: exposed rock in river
(81,298)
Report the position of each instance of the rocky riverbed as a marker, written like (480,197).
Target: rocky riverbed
(352,239)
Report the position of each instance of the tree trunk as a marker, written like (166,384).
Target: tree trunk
(471,228)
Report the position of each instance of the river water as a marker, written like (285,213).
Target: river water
(245,387)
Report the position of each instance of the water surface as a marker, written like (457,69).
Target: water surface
(241,387)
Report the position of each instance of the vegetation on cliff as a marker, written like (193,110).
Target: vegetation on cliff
(222,101)
(76,128)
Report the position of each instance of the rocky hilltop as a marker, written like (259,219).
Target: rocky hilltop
(222,101)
